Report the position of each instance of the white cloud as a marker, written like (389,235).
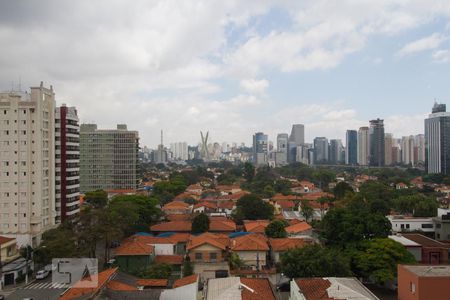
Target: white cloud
(427,43)
(254,86)
(441,56)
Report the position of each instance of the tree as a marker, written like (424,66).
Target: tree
(200,223)
(283,186)
(418,204)
(314,261)
(188,270)
(377,259)
(254,208)
(276,229)
(341,189)
(235,261)
(268,191)
(158,271)
(98,198)
(342,226)
(307,210)
(249,171)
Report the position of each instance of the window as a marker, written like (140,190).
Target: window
(198,256)
(213,256)
(412,287)
(427,225)
(407,226)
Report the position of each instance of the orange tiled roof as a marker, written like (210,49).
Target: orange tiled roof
(180,237)
(194,187)
(316,205)
(206,204)
(4,239)
(314,288)
(279,197)
(286,203)
(175,205)
(315,196)
(119,286)
(283,244)
(169,259)
(299,227)
(185,281)
(262,289)
(249,242)
(221,224)
(217,240)
(135,245)
(257,226)
(179,217)
(152,282)
(225,204)
(76,291)
(181,226)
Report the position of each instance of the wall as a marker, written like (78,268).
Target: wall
(164,249)
(249,258)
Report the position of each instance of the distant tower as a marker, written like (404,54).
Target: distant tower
(351,147)
(298,134)
(363,146)
(437,140)
(204,153)
(376,142)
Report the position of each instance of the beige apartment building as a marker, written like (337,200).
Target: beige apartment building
(27,175)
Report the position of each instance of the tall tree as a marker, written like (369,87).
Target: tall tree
(307,210)
(341,189)
(98,198)
(249,171)
(254,208)
(188,270)
(200,223)
(276,229)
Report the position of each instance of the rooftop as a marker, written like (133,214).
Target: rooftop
(429,271)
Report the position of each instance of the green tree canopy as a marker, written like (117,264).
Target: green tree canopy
(377,259)
(419,205)
(200,223)
(254,208)
(314,261)
(97,199)
(276,229)
(341,189)
(188,269)
(158,271)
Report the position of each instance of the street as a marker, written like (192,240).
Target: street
(38,290)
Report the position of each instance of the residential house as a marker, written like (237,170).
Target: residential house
(221,225)
(206,207)
(176,261)
(401,186)
(284,205)
(143,284)
(342,288)
(252,249)
(185,288)
(412,247)
(432,251)
(442,225)
(228,189)
(208,248)
(13,265)
(236,288)
(194,189)
(226,207)
(299,229)
(402,223)
(423,282)
(172,226)
(177,208)
(134,254)
(256,226)
(281,245)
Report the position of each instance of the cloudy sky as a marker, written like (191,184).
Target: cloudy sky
(233,67)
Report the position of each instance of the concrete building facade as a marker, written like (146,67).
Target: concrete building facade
(363,146)
(437,140)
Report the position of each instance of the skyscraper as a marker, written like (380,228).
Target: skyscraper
(408,150)
(67,176)
(281,156)
(336,149)
(363,146)
(27,164)
(437,140)
(108,158)
(351,147)
(180,150)
(260,146)
(321,150)
(388,141)
(297,134)
(419,149)
(376,141)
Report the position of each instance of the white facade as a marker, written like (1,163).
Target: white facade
(27,174)
(363,146)
(180,151)
(408,150)
(407,224)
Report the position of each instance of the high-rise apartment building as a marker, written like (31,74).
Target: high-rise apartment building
(351,147)
(336,151)
(321,150)
(407,147)
(303,154)
(180,150)
(437,140)
(260,147)
(67,163)
(108,158)
(363,146)
(419,149)
(388,142)
(297,134)
(376,141)
(281,156)
(27,159)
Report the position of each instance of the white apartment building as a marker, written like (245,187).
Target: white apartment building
(27,175)
(363,146)
(180,151)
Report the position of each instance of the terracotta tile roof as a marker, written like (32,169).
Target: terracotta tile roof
(249,242)
(262,289)
(218,224)
(314,288)
(285,204)
(180,237)
(183,217)
(257,226)
(424,240)
(183,196)
(315,196)
(227,188)
(180,226)
(283,244)
(185,281)
(4,239)
(135,245)
(119,286)
(279,197)
(175,205)
(206,204)
(169,259)
(217,240)
(225,204)
(152,282)
(76,291)
(299,227)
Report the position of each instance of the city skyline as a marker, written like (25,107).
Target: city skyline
(329,66)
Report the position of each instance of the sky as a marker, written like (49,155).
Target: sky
(232,67)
